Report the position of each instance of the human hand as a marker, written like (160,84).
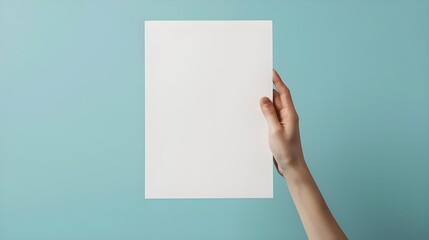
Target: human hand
(285,144)
(283,127)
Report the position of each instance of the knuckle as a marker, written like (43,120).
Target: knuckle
(283,89)
(294,118)
(287,89)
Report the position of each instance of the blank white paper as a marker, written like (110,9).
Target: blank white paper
(205,136)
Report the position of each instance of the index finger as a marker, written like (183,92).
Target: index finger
(283,90)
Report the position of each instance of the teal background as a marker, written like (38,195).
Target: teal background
(72,120)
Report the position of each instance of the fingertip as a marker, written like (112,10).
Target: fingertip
(275,74)
(275,93)
(269,112)
(277,100)
(277,80)
(265,101)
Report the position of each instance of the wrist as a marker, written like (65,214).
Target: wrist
(296,171)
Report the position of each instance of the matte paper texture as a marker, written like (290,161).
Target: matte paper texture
(205,136)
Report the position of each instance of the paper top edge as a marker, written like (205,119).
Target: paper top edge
(208,20)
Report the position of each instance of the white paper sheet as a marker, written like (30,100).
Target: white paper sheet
(205,136)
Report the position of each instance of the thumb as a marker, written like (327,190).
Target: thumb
(269,113)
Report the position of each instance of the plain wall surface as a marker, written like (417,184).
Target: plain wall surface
(72,120)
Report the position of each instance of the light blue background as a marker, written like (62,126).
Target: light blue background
(72,120)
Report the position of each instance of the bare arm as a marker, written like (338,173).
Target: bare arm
(285,144)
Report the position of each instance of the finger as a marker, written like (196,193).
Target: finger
(277,101)
(283,90)
(269,113)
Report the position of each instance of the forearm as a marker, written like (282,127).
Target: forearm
(314,213)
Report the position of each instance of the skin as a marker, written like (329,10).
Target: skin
(288,157)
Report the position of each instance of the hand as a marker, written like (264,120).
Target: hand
(283,126)
(285,144)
